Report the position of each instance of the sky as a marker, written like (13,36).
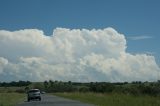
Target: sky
(59,35)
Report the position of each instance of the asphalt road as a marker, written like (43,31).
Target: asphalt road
(50,100)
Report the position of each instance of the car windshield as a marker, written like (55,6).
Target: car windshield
(35,90)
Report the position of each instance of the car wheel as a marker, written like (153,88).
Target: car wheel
(39,99)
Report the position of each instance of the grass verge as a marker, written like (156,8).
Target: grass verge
(11,99)
(112,99)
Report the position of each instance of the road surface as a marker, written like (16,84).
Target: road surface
(50,100)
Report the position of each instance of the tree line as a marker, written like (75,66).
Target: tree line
(15,84)
(134,88)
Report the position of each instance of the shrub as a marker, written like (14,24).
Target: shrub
(20,91)
(84,89)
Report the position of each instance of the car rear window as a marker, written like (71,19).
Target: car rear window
(35,90)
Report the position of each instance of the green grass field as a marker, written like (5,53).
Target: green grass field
(11,99)
(113,99)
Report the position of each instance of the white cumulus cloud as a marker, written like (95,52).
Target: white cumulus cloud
(72,54)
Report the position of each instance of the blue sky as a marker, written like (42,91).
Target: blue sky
(92,55)
(133,18)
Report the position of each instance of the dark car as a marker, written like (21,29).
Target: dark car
(34,94)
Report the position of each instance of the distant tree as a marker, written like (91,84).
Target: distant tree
(46,84)
(51,83)
(38,85)
(69,82)
(26,89)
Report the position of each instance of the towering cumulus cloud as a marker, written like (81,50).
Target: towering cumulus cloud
(76,55)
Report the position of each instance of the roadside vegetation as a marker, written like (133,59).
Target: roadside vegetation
(11,93)
(113,99)
(108,94)
(134,88)
(99,93)
(11,99)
